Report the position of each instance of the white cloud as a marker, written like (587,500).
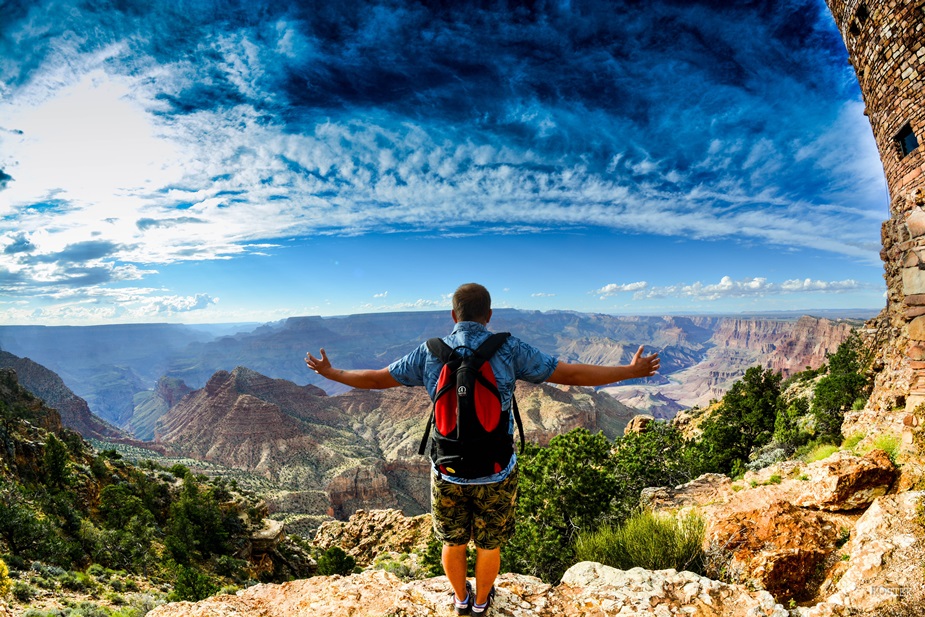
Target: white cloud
(384,294)
(612,289)
(542,295)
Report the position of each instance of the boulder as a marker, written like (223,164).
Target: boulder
(638,424)
(593,589)
(267,538)
(845,481)
(882,564)
(707,490)
(769,544)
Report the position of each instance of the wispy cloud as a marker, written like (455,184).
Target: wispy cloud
(747,287)
(417,305)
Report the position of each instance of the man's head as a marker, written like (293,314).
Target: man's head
(472,302)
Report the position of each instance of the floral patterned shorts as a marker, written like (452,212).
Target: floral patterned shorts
(483,512)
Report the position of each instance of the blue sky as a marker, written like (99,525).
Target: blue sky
(214,162)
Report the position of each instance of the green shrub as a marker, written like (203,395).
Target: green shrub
(852,440)
(192,585)
(116,599)
(15,562)
(647,540)
(402,566)
(226,565)
(23,591)
(335,561)
(77,581)
(582,480)
(180,471)
(837,392)
(88,609)
(820,452)
(888,443)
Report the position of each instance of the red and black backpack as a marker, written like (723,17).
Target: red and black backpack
(471,437)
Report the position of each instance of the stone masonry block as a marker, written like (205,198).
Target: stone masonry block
(914,300)
(916,353)
(915,222)
(913,401)
(917,329)
(913,282)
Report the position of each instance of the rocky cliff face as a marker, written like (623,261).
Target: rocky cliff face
(831,534)
(359,448)
(45,384)
(150,405)
(733,346)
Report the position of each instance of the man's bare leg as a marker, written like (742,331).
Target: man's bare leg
(487,565)
(454,564)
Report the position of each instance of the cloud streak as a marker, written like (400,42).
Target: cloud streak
(745,288)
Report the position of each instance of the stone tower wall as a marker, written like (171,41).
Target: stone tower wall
(886,46)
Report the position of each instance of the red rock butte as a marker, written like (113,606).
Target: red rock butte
(886,46)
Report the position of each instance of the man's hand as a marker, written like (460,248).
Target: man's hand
(591,375)
(319,365)
(644,366)
(375,379)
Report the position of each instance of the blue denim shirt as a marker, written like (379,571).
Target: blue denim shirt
(514,360)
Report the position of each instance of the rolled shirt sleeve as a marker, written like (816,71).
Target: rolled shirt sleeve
(409,370)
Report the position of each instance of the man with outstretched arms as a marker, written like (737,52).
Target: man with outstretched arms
(481,509)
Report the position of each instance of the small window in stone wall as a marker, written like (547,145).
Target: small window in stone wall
(905,140)
(862,14)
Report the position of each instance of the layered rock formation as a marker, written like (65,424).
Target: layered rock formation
(47,385)
(733,346)
(359,448)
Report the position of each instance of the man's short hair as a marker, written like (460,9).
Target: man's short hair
(472,302)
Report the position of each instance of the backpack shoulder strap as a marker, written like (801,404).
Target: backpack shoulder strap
(439,348)
(491,345)
(520,424)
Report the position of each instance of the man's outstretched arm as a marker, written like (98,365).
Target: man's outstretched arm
(592,375)
(368,379)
